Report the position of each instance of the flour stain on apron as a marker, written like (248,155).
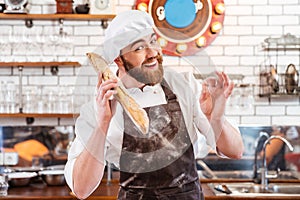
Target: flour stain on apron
(161,164)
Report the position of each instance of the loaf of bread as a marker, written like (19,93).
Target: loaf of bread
(137,114)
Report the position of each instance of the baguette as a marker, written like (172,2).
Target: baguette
(137,114)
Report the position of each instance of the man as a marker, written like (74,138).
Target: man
(275,150)
(160,164)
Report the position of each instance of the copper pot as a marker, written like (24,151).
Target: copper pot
(291,78)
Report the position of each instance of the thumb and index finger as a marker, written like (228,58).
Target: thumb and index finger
(227,84)
(220,81)
(108,96)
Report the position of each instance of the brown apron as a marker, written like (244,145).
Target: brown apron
(160,165)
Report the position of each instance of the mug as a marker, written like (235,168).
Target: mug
(2,7)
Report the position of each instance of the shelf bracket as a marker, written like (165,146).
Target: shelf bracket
(61,26)
(29,120)
(54,70)
(104,24)
(28,23)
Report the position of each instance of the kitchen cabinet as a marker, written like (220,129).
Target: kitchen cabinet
(276,80)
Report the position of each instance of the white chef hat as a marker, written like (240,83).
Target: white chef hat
(123,30)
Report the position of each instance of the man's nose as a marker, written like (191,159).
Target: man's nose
(151,51)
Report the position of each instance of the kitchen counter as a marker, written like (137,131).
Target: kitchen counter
(209,195)
(42,191)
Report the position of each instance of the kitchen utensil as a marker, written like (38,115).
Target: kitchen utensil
(55,167)
(137,114)
(270,40)
(26,169)
(291,78)
(287,39)
(2,7)
(53,177)
(223,188)
(274,79)
(16,6)
(18,179)
(82,9)
(64,6)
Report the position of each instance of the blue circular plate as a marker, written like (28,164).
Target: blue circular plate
(180,13)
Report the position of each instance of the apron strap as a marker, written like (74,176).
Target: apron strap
(170,96)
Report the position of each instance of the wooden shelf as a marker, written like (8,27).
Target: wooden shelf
(39,64)
(280,95)
(280,48)
(29,17)
(39,115)
(57,16)
(231,76)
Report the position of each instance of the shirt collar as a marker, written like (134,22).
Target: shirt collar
(146,89)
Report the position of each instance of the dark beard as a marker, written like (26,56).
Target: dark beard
(142,74)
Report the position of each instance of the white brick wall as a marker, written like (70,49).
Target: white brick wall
(247,23)
(274,110)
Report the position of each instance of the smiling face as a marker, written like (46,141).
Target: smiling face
(142,60)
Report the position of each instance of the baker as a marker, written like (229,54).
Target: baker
(186,121)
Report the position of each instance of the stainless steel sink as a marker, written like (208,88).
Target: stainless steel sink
(245,174)
(248,189)
(229,174)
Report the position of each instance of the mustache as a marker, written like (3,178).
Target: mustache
(158,57)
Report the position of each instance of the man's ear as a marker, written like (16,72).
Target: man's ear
(121,70)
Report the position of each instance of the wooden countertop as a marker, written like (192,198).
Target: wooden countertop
(104,191)
(43,192)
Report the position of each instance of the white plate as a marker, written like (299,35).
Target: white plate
(27,169)
(17,175)
(51,172)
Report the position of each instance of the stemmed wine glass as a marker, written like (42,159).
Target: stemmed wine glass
(40,42)
(2,97)
(66,45)
(27,43)
(234,99)
(53,44)
(5,48)
(14,42)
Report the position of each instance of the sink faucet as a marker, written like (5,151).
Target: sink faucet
(261,135)
(264,170)
(109,173)
(207,169)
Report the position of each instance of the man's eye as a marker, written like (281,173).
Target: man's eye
(139,48)
(153,41)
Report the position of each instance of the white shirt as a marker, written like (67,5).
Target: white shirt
(187,90)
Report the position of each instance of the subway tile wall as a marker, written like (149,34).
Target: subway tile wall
(236,51)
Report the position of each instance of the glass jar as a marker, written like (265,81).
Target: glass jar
(3,184)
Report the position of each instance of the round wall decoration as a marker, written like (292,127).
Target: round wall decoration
(184,27)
